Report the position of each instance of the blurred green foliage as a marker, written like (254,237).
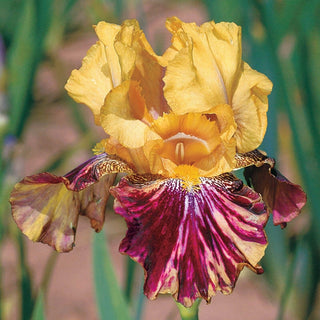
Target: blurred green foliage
(280,39)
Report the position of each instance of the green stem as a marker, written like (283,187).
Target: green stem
(48,272)
(131,265)
(27,301)
(191,313)
(287,289)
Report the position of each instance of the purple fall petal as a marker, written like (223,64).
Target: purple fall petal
(191,243)
(283,198)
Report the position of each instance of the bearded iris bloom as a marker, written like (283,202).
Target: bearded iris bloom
(177,125)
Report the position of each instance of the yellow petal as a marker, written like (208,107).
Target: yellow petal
(124,46)
(91,83)
(205,70)
(136,158)
(139,63)
(118,117)
(99,73)
(107,33)
(151,151)
(221,160)
(250,106)
(224,116)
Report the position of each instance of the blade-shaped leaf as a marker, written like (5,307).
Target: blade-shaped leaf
(109,298)
(38,310)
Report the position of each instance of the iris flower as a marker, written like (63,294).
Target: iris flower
(177,125)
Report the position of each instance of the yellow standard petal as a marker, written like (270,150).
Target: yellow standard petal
(124,116)
(99,73)
(139,63)
(206,68)
(250,106)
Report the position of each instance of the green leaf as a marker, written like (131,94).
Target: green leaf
(38,311)
(228,10)
(24,56)
(130,268)
(303,282)
(275,261)
(27,301)
(110,299)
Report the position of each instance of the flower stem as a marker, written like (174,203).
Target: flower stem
(189,313)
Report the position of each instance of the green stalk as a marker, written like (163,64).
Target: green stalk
(287,288)
(48,272)
(1,293)
(27,301)
(130,268)
(140,302)
(191,313)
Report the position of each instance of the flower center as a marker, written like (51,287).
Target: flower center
(183,148)
(189,176)
(186,138)
(179,152)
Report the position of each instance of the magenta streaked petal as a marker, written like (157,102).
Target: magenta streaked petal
(46,207)
(283,198)
(93,169)
(192,243)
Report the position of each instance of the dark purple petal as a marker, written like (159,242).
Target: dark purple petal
(283,198)
(46,208)
(192,243)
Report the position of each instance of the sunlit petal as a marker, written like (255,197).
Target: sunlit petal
(107,33)
(140,63)
(250,106)
(118,117)
(100,71)
(205,70)
(46,207)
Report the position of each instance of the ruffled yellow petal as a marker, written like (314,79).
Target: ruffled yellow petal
(124,45)
(140,63)
(250,106)
(205,70)
(134,157)
(221,160)
(118,116)
(107,33)
(91,83)
(99,73)
(223,114)
(113,59)
(186,138)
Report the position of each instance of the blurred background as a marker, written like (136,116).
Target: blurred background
(42,129)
